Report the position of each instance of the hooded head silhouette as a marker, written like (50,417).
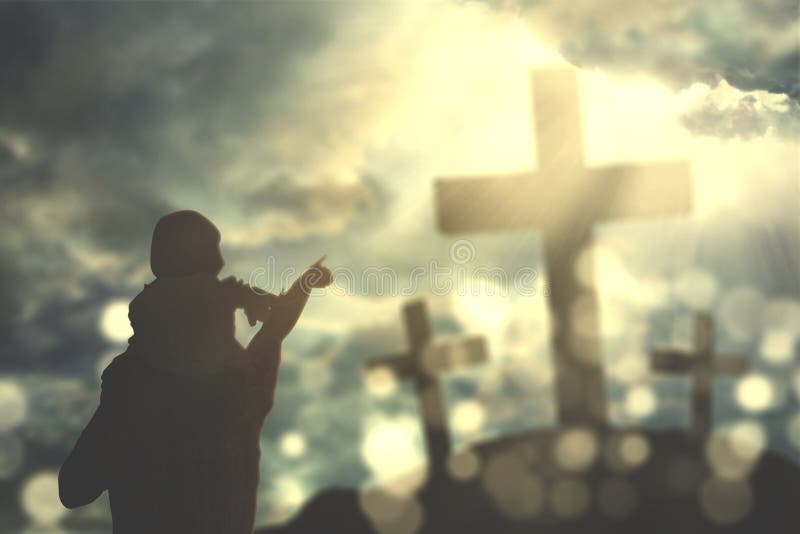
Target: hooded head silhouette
(185,243)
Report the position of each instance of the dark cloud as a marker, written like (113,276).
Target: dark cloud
(283,193)
(287,210)
(111,116)
(132,111)
(93,68)
(6,155)
(753,45)
(102,88)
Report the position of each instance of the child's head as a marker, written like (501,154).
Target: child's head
(185,243)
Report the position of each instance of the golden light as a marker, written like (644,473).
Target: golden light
(293,444)
(630,368)
(289,493)
(468,417)
(748,439)
(40,501)
(730,461)
(755,393)
(777,346)
(13,405)
(393,455)
(576,449)
(381,382)
(633,450)
(601,263)
(486,310)
(641,402)
(463,465)
(114,323)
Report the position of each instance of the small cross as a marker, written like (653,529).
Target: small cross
(564,199)
(423,362)
(702,364)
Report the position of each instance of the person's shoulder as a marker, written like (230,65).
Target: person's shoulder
(120,368)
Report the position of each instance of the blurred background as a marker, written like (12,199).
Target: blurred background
(319,127)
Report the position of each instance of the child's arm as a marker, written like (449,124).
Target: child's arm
(257,304)
(289,306)
(265,347)
(278,313)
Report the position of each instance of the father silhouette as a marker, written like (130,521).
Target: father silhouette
(175,439)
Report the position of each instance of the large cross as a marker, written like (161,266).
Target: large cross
(564,199)
(423,362)
(702,364)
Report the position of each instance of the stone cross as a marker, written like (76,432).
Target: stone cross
(700,362)
(564,199)
(422,364)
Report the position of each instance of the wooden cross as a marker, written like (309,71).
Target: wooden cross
(423,362)
(702,364)
(564,199)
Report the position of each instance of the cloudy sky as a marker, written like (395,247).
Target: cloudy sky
(320,127)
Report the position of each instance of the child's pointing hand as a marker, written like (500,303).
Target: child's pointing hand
(317,276)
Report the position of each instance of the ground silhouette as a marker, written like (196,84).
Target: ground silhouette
(673,491)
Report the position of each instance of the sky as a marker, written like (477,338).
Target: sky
(320,127)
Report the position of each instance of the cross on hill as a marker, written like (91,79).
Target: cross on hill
(564,199)
(702,364)
(422,364)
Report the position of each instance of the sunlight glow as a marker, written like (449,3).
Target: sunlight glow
(748,439)
(293,444)
(381,382)
(392,454)
(290,492)
(641,402)
(755,393)
(114,323)
(39,499)
(576,449)
(487,312)
(633,450)
(777,346)
(468,417)
(13,405)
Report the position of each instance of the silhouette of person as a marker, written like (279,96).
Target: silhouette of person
(175,438)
